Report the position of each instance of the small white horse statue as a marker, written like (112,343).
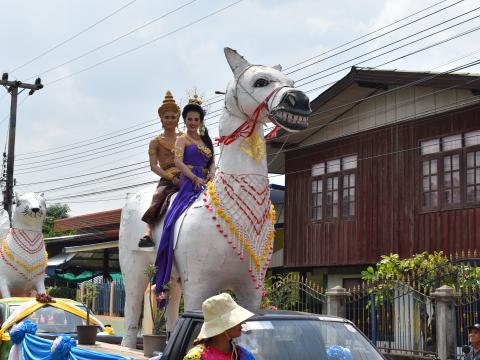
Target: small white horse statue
(225,239)
(23,258)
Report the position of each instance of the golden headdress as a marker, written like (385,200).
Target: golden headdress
(194,104)
(195,100)
(169,104)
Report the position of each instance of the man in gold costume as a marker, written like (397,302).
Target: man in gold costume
(162,163)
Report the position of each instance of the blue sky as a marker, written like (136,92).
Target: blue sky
(126,91)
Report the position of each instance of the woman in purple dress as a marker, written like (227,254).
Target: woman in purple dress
(194,158)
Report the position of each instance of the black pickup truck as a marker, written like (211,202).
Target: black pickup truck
(283,335)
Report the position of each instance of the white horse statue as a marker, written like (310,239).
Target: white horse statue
(224,241)
(23,258)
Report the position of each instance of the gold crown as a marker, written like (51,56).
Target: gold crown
(195,100)
(168,104)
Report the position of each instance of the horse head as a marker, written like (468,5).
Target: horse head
(30,211)
(264,90)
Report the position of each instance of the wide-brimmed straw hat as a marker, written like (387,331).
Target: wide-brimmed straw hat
(221,313)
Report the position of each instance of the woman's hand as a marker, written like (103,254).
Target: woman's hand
(210,176)
(175,181)
(198,181)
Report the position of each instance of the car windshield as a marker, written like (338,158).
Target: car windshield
(306,339)
(53,320)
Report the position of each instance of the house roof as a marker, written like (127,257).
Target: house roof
(89,221)
(351,90)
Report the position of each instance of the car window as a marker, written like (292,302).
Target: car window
(305,339)
(54,320)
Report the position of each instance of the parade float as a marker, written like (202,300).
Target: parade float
(27,323)
(224,240)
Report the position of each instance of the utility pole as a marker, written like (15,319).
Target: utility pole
(12,87)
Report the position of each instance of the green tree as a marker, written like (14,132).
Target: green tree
(422,271)
(55,212)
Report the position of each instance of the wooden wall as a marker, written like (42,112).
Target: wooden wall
(388,217)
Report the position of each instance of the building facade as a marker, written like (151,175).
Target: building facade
(390,163)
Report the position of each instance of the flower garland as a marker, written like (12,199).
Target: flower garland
(245,217)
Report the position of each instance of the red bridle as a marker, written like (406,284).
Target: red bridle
(248,126)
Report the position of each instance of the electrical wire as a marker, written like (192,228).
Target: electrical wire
(366,35)
(360,37)
(73,36)
(416,51)
(374,38)
(114,40)
(402,104)
(395,49)
(366,98)
(415,148)
(146,43)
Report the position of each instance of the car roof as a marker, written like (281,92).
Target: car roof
(263,314)
(21,300)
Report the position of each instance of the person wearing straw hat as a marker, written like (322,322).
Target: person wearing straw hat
(223,319)
(162,163)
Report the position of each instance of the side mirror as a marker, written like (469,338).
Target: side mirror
(466,349)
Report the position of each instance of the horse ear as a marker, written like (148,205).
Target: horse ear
(237,62)
(277,67)
(42,194)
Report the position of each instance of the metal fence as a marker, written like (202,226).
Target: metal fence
(399,320)
(291,292)
(110,298)
(467,309)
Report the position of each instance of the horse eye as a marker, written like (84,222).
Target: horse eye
(261,82)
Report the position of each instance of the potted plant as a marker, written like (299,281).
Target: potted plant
(87,334)
(157,340)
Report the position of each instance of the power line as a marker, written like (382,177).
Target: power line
(366,35)
(120,144)
(88,174)
(106,191)
(396,105)
(136,127)
(349,42)
(289,173)
(402,46)
(146,43)
(72,163)
(73,36)
(379,36)
(102,137)
(116,39)
(411,84)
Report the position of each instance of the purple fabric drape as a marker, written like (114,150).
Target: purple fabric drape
(187,194)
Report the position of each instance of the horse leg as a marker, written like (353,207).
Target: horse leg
(248,296)
(40,285)
(196,292)
(135,285)
(173,304)
(4,288)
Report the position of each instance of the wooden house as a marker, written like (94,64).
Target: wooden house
(390,163)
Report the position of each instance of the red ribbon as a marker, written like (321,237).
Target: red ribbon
(248,126)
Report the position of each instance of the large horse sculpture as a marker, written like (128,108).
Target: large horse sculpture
(225,239)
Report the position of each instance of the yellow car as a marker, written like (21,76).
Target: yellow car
(53,318)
